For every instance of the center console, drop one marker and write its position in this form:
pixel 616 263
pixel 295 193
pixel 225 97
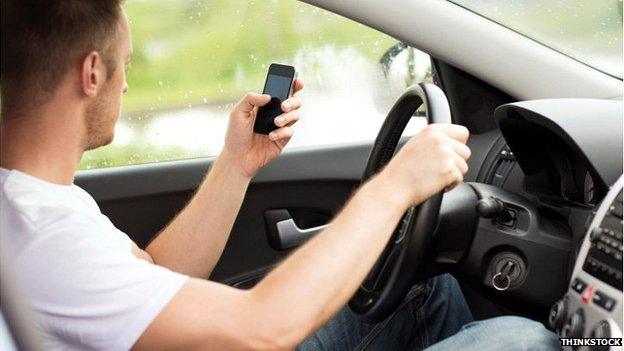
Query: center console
pixel 592 307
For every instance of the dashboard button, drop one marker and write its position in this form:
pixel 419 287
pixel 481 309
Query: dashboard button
pixel 578 285
pixel 588 294
pixel 604 301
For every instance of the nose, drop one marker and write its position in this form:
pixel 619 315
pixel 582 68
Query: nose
pixel 125 87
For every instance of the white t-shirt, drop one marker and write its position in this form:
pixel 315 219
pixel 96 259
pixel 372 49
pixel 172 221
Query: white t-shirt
pixel 79 274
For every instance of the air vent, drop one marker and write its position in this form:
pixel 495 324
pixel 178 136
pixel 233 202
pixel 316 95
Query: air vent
pixel 501 167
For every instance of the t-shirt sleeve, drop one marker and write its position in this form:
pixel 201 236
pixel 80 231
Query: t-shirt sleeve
pixel 89 291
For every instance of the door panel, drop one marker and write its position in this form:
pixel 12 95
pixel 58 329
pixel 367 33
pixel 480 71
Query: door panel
pixel 141 200
pixel 248 247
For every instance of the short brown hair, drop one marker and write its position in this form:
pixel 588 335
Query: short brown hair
pixel 42 39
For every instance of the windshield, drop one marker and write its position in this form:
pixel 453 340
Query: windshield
pixel 588 31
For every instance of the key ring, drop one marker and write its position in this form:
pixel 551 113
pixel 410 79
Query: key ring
pixel 500 288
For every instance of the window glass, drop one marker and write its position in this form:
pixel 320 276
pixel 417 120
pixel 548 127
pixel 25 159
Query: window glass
pixel 589 31
pixel 194 59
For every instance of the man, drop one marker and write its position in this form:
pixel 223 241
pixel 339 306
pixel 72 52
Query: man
pixel 93 288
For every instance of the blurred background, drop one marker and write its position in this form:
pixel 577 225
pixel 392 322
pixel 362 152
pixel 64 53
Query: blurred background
pixel 194 59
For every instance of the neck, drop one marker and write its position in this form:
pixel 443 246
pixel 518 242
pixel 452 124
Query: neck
pixel 46 144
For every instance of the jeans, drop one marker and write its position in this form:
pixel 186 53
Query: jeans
pixel 434 317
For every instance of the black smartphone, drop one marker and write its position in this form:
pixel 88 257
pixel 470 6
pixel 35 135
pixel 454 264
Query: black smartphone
pixel 279 84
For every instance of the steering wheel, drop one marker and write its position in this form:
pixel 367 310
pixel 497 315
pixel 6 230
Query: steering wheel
pixel 401 263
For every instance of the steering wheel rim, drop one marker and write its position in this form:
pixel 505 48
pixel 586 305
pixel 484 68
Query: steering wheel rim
pixel 393 274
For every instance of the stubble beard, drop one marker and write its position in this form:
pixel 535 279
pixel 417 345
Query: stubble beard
pixel 100 122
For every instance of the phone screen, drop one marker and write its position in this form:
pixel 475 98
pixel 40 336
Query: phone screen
pixel 278 84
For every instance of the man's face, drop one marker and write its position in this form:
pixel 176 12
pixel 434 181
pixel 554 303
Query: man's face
pixel 104 112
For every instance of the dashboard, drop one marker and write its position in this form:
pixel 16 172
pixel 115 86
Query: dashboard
pixel 570 150
pixel 570 154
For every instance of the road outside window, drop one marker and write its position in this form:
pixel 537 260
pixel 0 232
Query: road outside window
pixel 194 59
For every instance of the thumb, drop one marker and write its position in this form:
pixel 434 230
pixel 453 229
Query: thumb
pixel 250 101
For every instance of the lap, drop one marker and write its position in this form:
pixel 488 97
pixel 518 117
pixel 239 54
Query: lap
pixel 422 318
pixel 346 331
pixel 434 314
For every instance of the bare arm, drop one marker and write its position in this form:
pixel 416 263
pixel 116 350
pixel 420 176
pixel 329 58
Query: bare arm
pixel 193 242
pixel 312 284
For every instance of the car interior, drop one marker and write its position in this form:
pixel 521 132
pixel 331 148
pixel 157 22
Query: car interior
pixel 535 229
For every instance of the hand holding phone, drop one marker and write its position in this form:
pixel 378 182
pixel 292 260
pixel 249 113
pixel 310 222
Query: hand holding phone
pixel 279 84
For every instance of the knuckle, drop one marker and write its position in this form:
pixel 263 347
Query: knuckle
pixel 463 169
pixel 463 132
pixel 446 150
pixel 448 167
pixel 436 139
pixel 455 177
pixel 442 145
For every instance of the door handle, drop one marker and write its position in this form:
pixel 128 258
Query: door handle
pixel 290 235
pixel 283 232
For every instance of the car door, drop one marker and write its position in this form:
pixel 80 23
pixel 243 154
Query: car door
pixel 308 185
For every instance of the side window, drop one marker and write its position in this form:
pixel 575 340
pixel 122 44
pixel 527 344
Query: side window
pixel 193 60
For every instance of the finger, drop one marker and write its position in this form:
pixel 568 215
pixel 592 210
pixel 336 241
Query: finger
pixel 292 103
pixel 461 164
pixel 251 100
pixel 457 132
pixel 287 119
pixel 460 149
pixel 456 179
pixel 281 133
pixel 298 85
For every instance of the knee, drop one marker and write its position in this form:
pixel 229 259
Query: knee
pixel 446 298
pixel 534 335
pixel 446 285
pixel 519 333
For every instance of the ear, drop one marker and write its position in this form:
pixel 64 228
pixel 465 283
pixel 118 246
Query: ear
pixel 92 74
